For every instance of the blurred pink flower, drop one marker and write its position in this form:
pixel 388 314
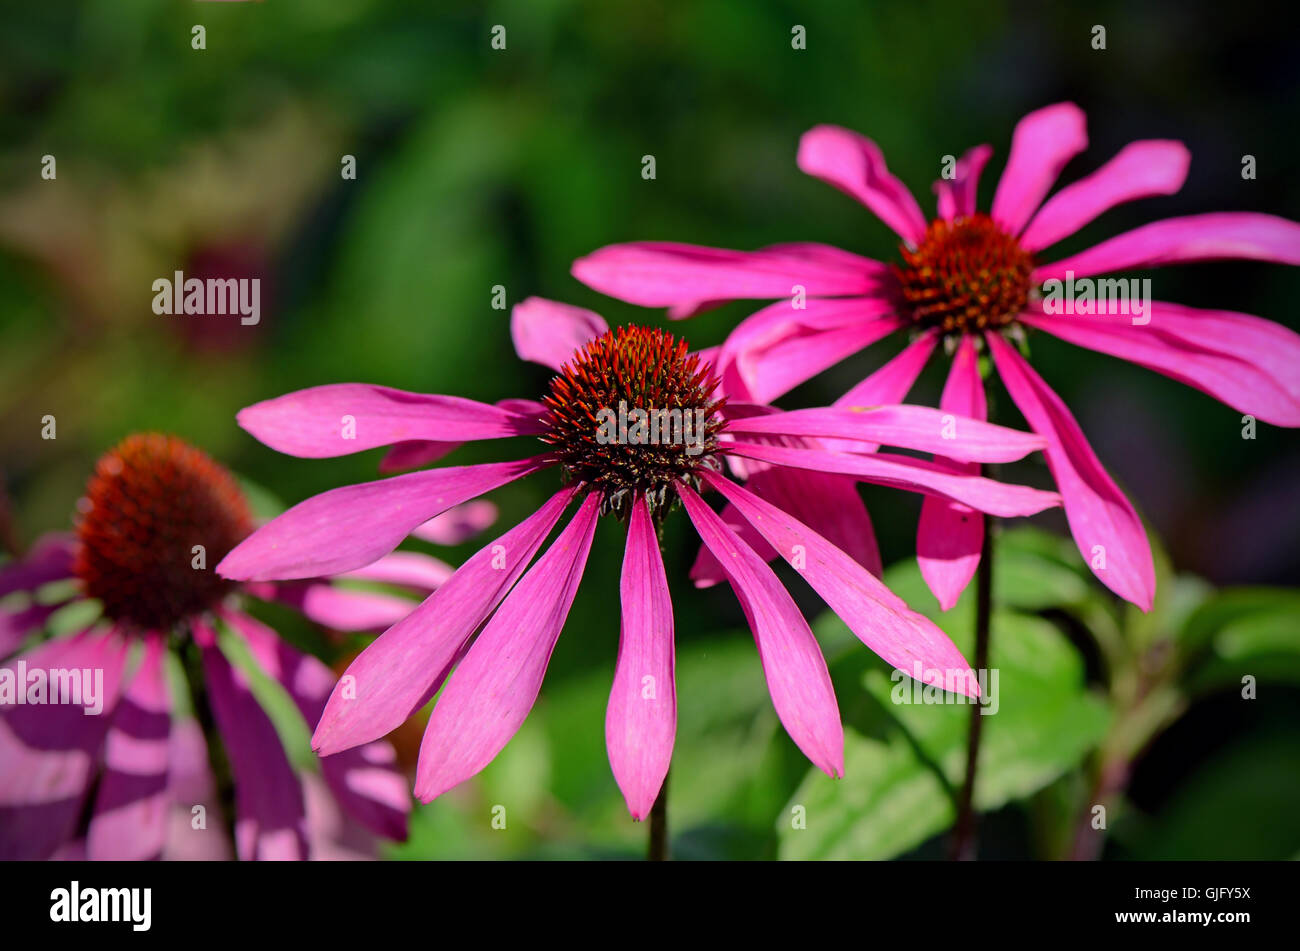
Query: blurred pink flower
pixel 971 278
pixel 119 782
pixel 518 611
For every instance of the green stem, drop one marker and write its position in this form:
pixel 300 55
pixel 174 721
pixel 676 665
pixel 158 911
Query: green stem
pixel 963 840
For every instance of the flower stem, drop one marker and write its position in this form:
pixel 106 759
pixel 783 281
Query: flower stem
pixel 657 850
pixel 963 840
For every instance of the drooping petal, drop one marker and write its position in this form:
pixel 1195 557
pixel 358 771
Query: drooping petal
pixel 132 806
pixel 1042 145
pixel 49 751
pixel 797 679
pixel 414 454
pixel 641 719
pixel 459 524
pixel 342 609
pixel 772 370
pixel 1108 532
pixel 914 475
pixel 50 559
pixel 1139 170
pixel 496 685
pixel 398 673
pixel 364 779
pixel 271 820
pixel 886 386
pixel 827 503
pixel 408 569
pixel 190 785
pixel 855 165
pixel 1229 356
pixel 950 537
pixel 879 618
pixel 922 428
pixel 548 332
pixel 957 197
pixel 343 418
pixel 1237 235
pixel 352 526
pixel 662 274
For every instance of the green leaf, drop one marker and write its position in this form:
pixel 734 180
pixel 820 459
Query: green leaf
pixel 901 769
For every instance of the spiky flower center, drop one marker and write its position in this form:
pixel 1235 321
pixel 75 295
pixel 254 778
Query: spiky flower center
pixel 157 516
pixel 631 413
pixel 967 275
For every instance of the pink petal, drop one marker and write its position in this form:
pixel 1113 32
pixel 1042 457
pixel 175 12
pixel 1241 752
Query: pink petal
pixel 888 385
pixel 855 165
pixel 914 475
pixel 949 537
pixel 50 559
pixel 922 428
pixel 132 805
pixel 190 784
pixel 458 525
pixel 1139 170
pixel 1101 519
pixel 364 780
pixel 957 197
pixel 270 816
pixel 548 332
pixel 796 673
pixel 497 683
pixel 880 619
pixel 641 719
pixel 1243 235
pixel 343 418
pixel 49 752
pixel 405 666
pixel 829 504
pixel 409 569
pixel 661 274
pixel 1181 345
pixel 1042 145
pixel 415 454
pixel 352 526
pixel 343 609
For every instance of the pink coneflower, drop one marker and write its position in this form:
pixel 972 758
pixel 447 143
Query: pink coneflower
pixel 971 280
pixel 115 768
pixel 496 620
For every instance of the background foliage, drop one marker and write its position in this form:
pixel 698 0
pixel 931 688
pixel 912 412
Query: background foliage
pixel 479 167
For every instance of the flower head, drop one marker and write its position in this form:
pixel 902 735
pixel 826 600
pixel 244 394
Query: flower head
pixel 497 619
pixel 105 733
pixel 973 280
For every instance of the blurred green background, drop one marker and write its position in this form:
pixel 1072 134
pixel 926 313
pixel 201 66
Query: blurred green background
pixel 479 167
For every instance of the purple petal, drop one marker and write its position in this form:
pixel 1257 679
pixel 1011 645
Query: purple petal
pixel 1042 145
pixel 796 673
pixel 1140 170
pixel 856 166
pixel 879 618
pixel 548 332
pixel 496 685
pixel 352 526
pixel 343 418
pixel 1105 527
pixel 458 525
pixel 641 719
pixel 405 666
pixel 957 197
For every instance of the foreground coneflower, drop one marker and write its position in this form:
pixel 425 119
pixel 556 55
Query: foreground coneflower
pixel 972 280
pixel 110 782
pixel 517 611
